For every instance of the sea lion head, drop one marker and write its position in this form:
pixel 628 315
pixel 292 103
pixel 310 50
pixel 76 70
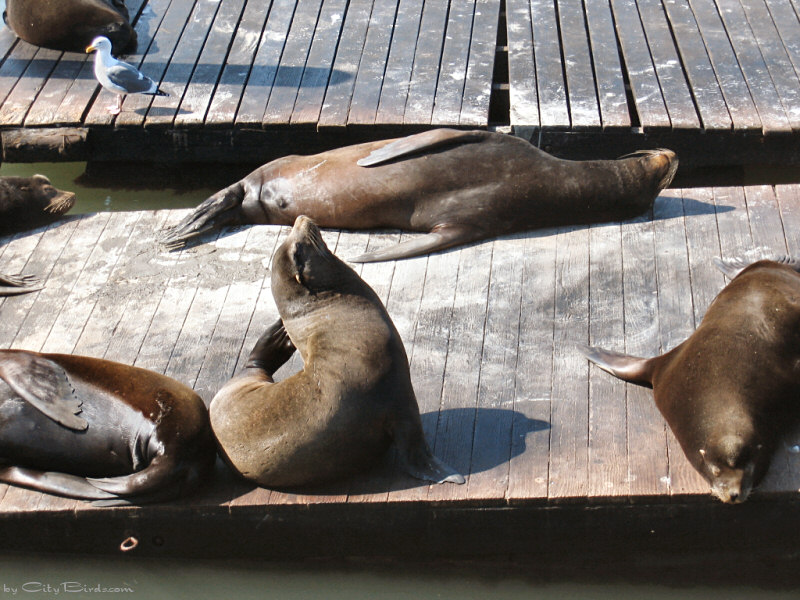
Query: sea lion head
pixel 658 165
pixel 729 464
pixel 58 201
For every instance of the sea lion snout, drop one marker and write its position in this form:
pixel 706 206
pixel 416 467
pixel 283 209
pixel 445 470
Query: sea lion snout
pixel 729 466
pixel 665 163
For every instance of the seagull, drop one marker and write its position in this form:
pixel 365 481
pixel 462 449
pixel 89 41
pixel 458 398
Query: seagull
pixel 117 76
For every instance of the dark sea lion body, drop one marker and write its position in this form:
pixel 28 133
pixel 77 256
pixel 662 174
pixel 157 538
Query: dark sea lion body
pixel 71 25
pixel 353 398
pixel 730 391
pixel 99 430
pixel 29 202
pixel 457 186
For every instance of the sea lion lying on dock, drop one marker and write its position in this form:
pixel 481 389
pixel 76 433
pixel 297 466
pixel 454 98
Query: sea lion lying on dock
pixel 353 398
pixel 730 391
pixel 98 430
pixel 456 186
pixel 71 25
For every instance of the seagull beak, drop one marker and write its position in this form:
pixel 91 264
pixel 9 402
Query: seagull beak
pixel 90 49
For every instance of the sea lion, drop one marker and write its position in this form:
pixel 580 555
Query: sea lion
pixel 99 430
pixel 29 202
pixel 351 401
pixel 730 391
pixel 457 186
pixel 71 25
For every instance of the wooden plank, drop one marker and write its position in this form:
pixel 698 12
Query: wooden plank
pixel 732 222
pixel 702 240
pixel 608 440
pixel 674 88
pixel 13 68
pixel 369 79
pixel 162 110
pixel 253 103
pixel 756 73
pixel 523 84
pixel 778 64
pixel 569 443
pixel 704 86
pixel 77 99
pixel 648 473
pixel 197 94
pixel 607 67
pixel 789 204
pixel 336 106
pixel 319 66
pixel 293 63
pixel 158 59
pixel 552 92
pixel 238 64
pixel 726 68
pixel 788 24
pixel 397 77
pixel 482 51
pixel 639 64
pixel 765 221
pixel 427 59
pixel 7 41
pixel 584 111
pixel 45 107
pixel 453 67
pixel 530 431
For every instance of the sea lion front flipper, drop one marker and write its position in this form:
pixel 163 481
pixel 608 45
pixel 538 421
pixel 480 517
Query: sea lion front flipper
pixel 415 457
pixel 61 484
pixel 272 350
pixel 215 211
pixel 628 368
pixel 441 238
pixel 731 267
pixel 44 385
pixel 418 143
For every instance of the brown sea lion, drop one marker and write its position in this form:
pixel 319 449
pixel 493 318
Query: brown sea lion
pixel 457 186
pixel 29 202
pixel 353 398
pixel 730 391
pixel 99 430
pixel 71 25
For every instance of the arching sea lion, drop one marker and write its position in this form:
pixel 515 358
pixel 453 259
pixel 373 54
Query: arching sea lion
pixel 457 186
pixel 71 25
pixel 99 430
pixel 351 401
pixel 730 391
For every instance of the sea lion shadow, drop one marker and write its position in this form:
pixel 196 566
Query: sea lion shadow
pixel 160 111
pixel 664 205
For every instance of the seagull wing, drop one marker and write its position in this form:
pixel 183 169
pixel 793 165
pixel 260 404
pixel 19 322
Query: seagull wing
pixel 129 79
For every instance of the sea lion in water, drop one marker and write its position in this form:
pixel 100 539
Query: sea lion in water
pixel 351 401
pixel 99 430
pixel 29 202
pixel 730 391
pixel 71 25
pixel 457 186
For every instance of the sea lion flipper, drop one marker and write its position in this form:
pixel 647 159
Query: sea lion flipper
pixel 415 457
pixel 50 482
pixel 731 267
pixel 272 349
pixel 418 143
pixel 629 368
pixel 43 384
pixel 442 237
pixel 216 211
pixel 14 285
pixel 154 476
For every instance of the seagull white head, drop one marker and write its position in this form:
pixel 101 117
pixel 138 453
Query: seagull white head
pixel 101 44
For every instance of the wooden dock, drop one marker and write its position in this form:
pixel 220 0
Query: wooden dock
pixel 715 80
pixel 557 454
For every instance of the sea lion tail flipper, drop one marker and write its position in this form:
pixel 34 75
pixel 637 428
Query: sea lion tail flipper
pixel 418 143
pixel 629 368
pixel 440 238
pixel 162 470
pixel 51 482
pixel 415 457
pixel 14 285
pixel 731 267
pixel 272 349
pixel 214 212
pixel 44 385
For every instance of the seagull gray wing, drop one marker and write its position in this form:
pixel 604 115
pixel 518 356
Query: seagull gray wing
pixel 131 80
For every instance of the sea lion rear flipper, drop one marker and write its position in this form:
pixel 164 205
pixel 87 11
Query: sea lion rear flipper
pixel 61 484
pixel 731 267
pixel 43 384
pixel 272 350
pixel 440 238
pixel 158 474
pixel 215 211
pixel 416 458
pixel 14 285
pixel 418 143
pixel 628 368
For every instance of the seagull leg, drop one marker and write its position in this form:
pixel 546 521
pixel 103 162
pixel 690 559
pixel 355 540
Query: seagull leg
pixel 115 110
